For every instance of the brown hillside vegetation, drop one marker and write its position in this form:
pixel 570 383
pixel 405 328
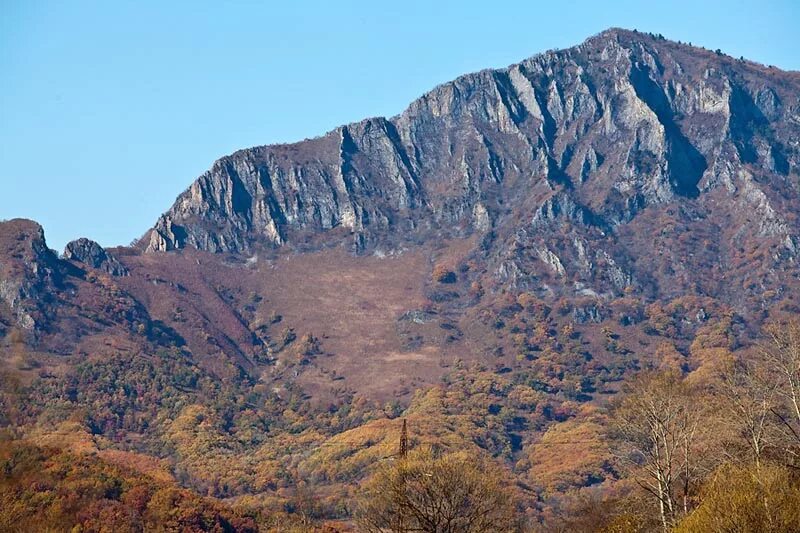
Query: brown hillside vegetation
pixel 45 489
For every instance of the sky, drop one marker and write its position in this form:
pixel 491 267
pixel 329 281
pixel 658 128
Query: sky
pixel 108 110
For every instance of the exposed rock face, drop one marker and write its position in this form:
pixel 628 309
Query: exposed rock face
pixel 56 304
pixel 90 253
pixel 29 272
pixel 628 160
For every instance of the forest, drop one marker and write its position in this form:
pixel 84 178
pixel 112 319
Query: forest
pixel 706 443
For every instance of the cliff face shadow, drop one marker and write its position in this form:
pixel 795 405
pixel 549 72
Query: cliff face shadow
pixel 686 163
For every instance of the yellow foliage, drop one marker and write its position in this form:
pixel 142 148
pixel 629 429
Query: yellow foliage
pixel 569 454
pixel 429 493
pixel 747 499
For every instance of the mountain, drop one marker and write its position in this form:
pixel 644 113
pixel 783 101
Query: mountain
pixel 492 264
pixel 578 168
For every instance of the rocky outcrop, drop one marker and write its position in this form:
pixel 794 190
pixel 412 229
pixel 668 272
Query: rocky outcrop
pixel 93 255
pixel 56 305
pixel 29 273
pixel 561 156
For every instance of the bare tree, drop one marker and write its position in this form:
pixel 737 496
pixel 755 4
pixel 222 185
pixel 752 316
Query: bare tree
pixel 654 431
pixel 782 356
pixel 447 494
pixel 747 399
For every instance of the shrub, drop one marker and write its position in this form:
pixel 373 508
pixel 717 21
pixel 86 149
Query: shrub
pixel 442 274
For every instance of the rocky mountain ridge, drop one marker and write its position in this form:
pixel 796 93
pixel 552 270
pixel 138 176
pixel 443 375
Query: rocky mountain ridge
pixel 561 162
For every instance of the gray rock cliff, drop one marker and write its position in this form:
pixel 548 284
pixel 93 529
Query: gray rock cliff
pixel 30 273
pixel 93 255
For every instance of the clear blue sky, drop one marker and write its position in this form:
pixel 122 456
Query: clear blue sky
pixel 110 109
